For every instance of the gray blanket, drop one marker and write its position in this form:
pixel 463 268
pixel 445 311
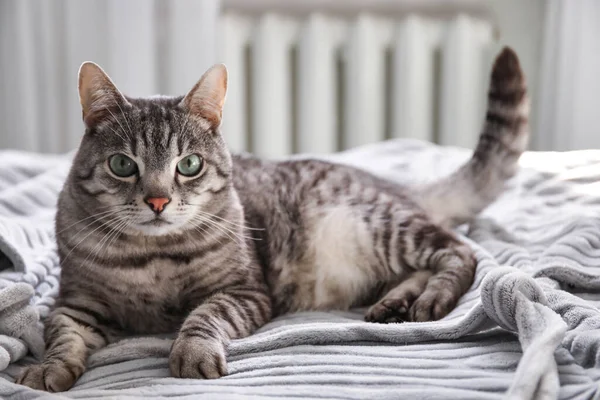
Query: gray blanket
pixel 529 328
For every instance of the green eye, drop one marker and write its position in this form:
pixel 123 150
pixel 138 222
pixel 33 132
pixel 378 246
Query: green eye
pixel 190 165
pixel 122 166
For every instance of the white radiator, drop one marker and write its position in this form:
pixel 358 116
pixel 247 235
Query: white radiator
pixel 299 81
pixel 318 83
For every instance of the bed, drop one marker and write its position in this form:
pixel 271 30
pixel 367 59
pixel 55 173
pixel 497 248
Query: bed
pixel 529 327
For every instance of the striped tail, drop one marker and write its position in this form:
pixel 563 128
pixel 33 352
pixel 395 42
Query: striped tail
pixel 459 197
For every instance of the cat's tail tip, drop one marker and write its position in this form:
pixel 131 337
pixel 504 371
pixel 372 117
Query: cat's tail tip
pixel 507 113
pixel 508 87
pixel 507 67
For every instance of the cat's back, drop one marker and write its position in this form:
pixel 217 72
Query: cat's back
pixel 306 176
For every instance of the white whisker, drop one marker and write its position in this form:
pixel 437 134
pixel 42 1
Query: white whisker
pixel 225 229
pixel 117 230
pixel 105 238
pixel 184 126
pixel 118 122
pixel 212 224
pixel 98 219
pixel 228 228
pixel 86 218
pixel 115 205
pixel 126 121
pixel 117 133
pixel 103 224
pixel 202 230
pixel 226 220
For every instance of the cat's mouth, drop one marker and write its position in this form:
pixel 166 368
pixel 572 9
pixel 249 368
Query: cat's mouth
pixel 158 221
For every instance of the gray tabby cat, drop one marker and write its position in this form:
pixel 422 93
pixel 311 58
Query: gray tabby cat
pixel 160 229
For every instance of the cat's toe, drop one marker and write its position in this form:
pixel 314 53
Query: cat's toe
pixel 432 306
pixel 197 358
pixel 387 311
pixel 52 377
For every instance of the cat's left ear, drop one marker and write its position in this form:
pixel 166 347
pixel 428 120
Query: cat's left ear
pixel 207 97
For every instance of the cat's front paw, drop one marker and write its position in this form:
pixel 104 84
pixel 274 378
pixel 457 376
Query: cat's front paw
pixel 52 377
pixel 196 358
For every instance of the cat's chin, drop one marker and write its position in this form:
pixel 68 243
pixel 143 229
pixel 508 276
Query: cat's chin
pixel 157 228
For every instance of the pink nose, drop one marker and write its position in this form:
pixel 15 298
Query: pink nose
pixel 157 204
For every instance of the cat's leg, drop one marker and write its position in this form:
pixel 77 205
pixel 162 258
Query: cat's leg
pixel 394 306
pixel 71 335
pixel 453 265
pixel 442 268
pixel 199 350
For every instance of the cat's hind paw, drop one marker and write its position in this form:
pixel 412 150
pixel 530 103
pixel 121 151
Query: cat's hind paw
pixel 388 310
pixel 432 305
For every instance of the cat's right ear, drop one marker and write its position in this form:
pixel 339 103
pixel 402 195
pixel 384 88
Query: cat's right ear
pixel 98 95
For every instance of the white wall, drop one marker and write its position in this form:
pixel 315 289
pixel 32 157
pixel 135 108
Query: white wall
pixel 569 101
pixel 521 26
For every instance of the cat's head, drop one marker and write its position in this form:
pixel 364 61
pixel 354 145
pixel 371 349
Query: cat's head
pixel 151 166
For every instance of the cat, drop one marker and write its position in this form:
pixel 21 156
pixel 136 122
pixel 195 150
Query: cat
pixel 159 228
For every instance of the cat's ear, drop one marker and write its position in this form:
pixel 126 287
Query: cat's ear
pixel 98 95
pixel 207 97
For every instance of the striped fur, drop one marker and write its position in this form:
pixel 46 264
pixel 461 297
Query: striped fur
pixel 248 239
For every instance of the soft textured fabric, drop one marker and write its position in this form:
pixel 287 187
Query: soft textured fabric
pixel 529 328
